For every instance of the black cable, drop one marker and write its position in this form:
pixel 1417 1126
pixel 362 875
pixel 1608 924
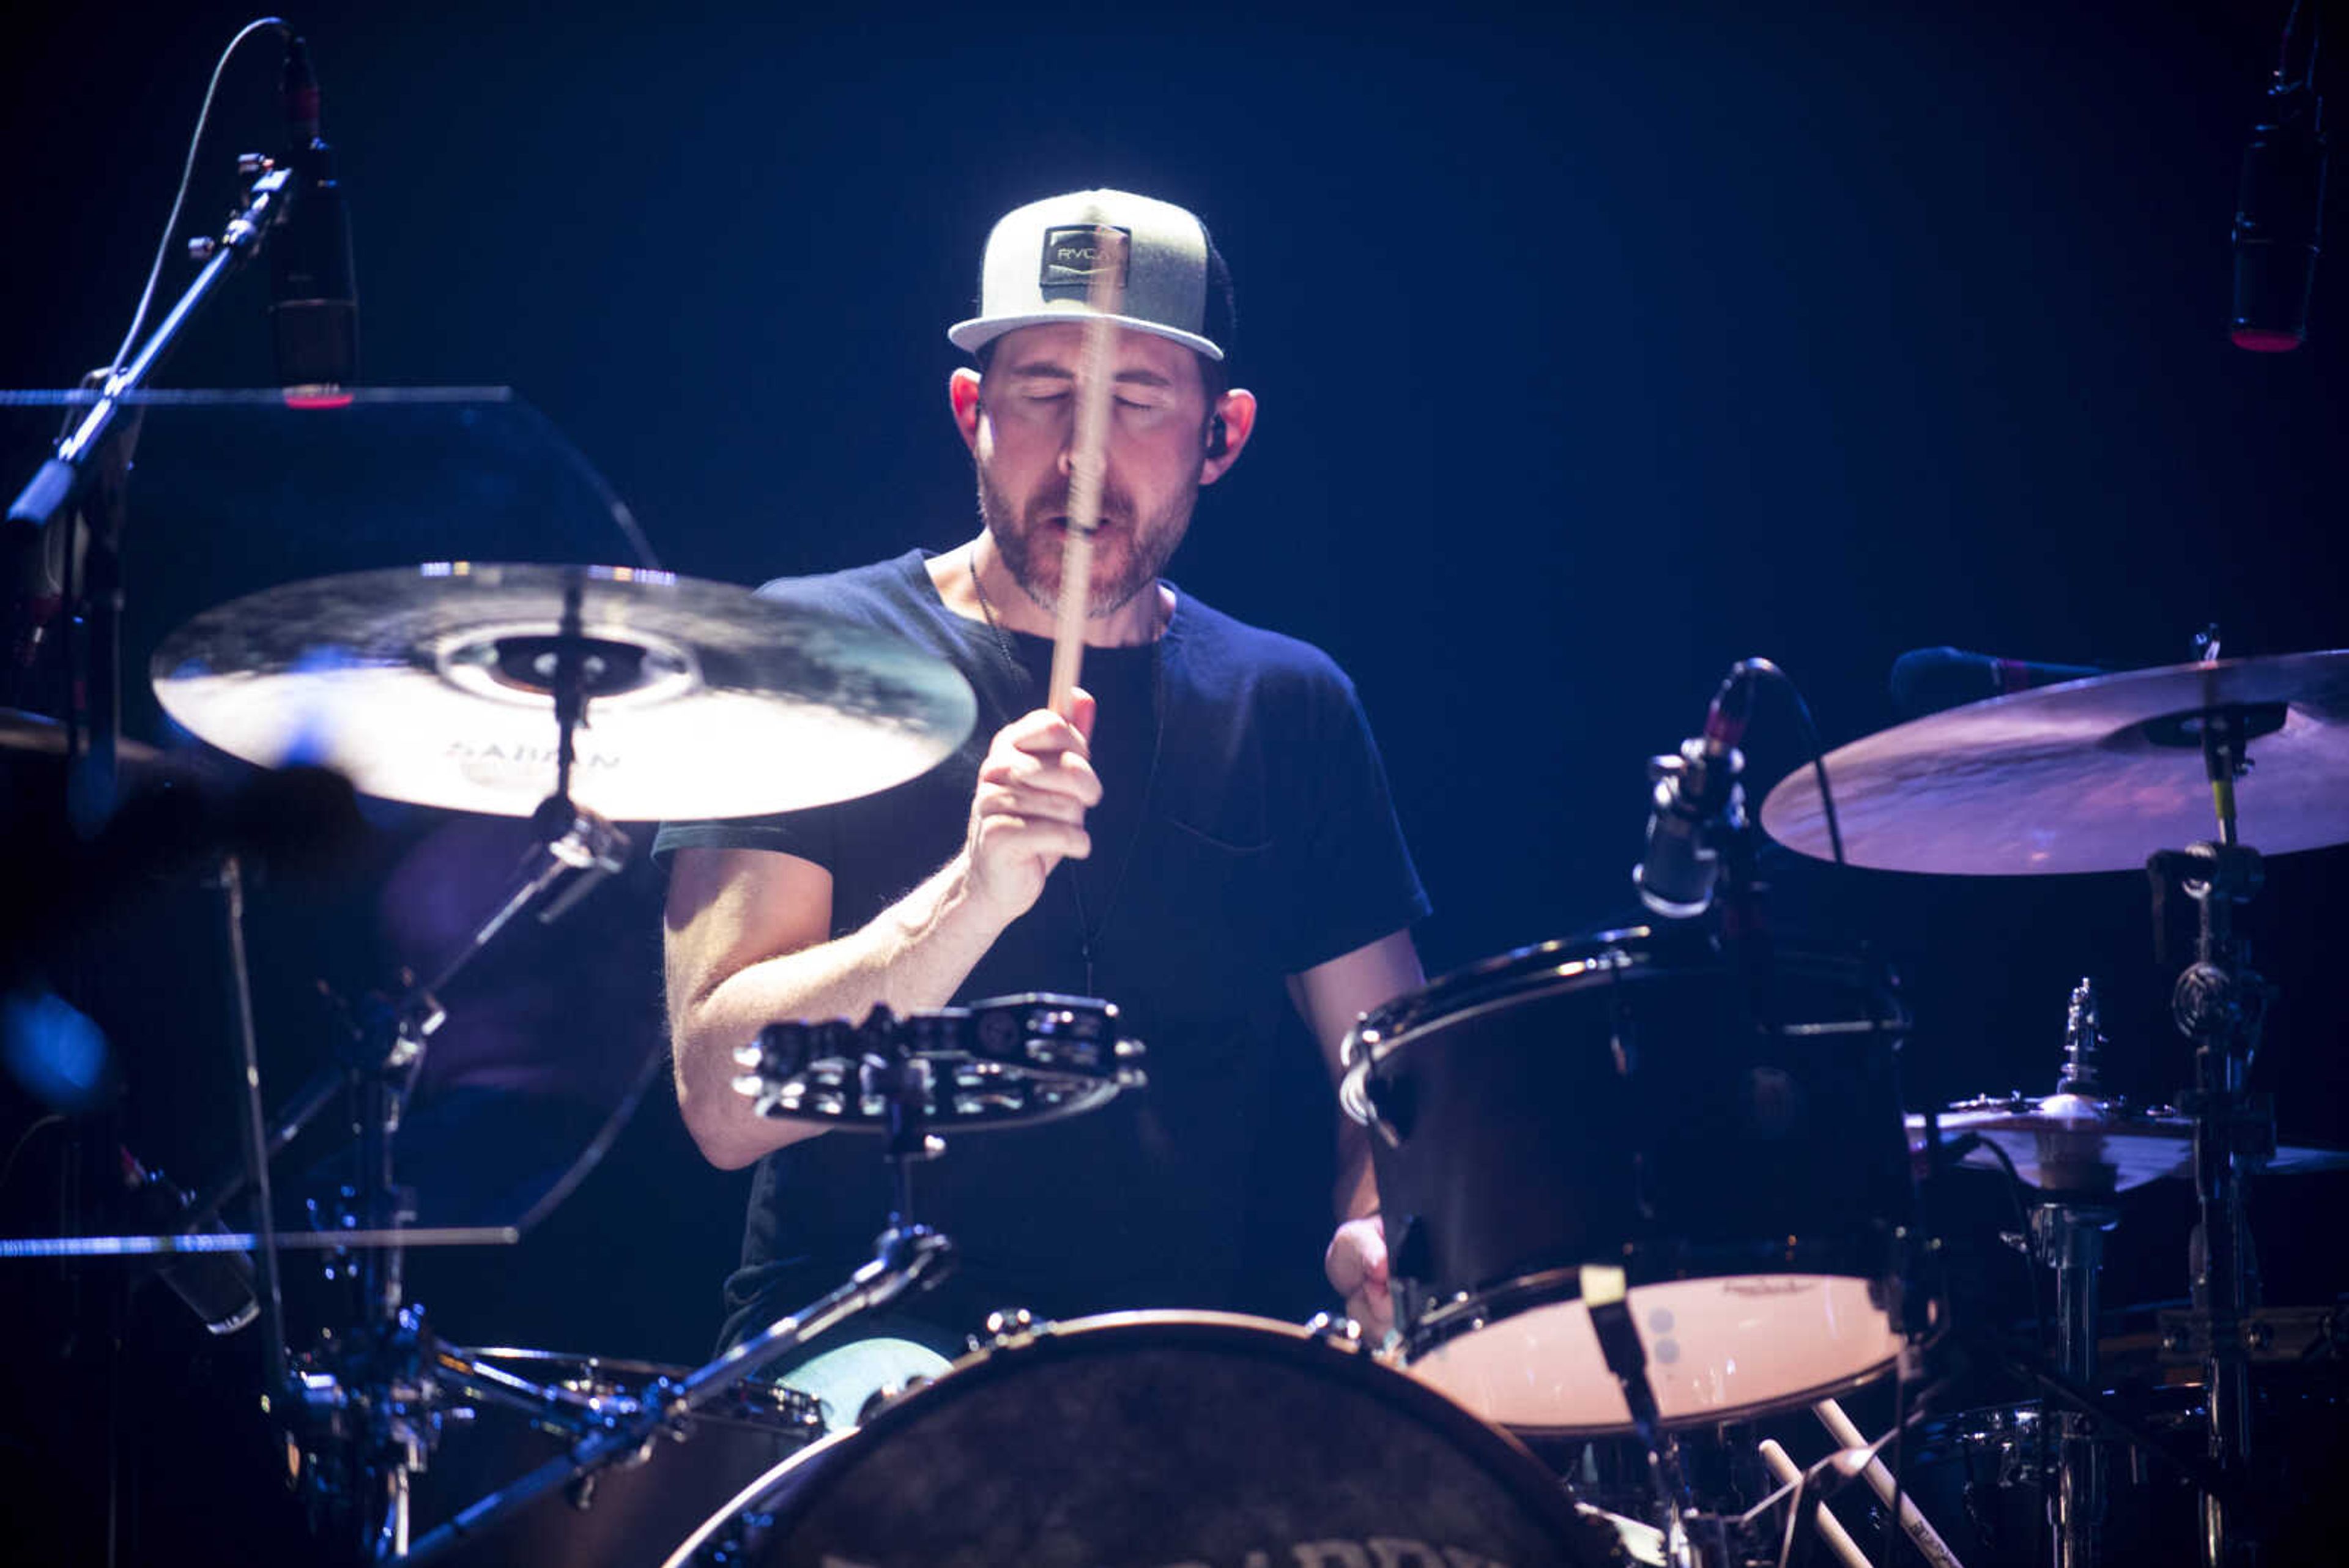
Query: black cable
pixel 598 1146
pixel 8 1168
pixel 187 178
pixel 1763 666
pixel 2014 1188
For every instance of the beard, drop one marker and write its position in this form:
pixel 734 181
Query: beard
pixel 1128 550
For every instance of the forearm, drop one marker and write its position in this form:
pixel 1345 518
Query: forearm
pixel 1357 1192
pixel 911 956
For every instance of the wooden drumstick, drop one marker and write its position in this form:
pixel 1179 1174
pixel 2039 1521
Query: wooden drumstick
pixel 1088 459
pixel 1830 1528
pixel 1843 1431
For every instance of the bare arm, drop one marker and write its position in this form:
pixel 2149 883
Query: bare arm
pixel 1331 996
pixel 748 942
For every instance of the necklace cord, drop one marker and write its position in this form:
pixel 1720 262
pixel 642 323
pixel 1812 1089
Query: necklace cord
pixel 1088 928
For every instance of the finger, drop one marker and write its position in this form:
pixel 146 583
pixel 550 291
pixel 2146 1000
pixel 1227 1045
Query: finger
pixel 1357 1256
pixel 1081 712
pixel 1063 773
pixel 1014 800
pixel 1008 834
pixel 1043 733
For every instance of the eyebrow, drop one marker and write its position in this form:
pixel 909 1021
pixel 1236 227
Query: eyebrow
pixel 1045 369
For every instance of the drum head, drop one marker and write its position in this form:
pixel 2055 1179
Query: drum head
pixel 1717 1349
pixel 1146 1439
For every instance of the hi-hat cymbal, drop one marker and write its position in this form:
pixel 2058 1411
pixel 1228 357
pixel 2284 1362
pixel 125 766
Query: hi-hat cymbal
pixel 2075 1143
pixel 432 684
pixel 37 740
pixel 2091 775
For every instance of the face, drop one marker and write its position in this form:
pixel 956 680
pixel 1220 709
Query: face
pixel 1026 428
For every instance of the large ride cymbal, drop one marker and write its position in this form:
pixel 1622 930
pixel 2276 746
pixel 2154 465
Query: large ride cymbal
pixel 433 684
pixel 2091 775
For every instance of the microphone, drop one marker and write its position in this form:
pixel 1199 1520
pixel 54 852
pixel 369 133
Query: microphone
pixel 218 1287
pixel 2279 208
pixel 313 310
pixel 1928 679
pixel 1696 791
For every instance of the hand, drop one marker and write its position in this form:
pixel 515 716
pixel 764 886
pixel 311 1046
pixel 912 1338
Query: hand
pixel 1028 814
pixel 1356 1266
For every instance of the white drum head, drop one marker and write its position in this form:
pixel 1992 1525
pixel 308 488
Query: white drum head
pixel 1718 1350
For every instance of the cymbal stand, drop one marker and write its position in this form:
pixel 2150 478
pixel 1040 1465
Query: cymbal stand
pixel 906 1255
pixel 2067 1234
pixel 624 1431
pixel 2219 1002
pixel 369 1408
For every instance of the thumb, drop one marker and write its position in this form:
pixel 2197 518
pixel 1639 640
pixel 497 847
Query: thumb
pixel 1081 712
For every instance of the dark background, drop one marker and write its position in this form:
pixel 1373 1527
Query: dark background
pixel 1596 349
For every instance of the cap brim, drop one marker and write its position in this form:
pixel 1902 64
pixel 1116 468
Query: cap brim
pixel 976 333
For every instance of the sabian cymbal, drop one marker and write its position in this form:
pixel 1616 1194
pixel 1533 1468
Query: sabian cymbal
pixel 2091 775
pixel 432 684
pixel 2074 1143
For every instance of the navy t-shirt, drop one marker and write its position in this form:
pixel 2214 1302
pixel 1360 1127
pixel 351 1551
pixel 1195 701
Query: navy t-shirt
pixel 1244 834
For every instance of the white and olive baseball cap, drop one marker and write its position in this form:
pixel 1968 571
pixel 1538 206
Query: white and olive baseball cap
pixel 1039 262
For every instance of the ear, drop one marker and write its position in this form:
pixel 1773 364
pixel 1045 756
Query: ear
pixel 962 392
pixel 1236 409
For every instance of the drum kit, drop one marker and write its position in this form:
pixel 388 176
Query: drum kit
pixel 1644 1191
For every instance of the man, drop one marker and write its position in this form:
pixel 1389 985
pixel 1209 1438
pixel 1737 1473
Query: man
pixel 1204 839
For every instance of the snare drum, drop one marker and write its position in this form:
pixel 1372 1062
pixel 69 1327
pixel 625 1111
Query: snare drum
pixel 1148 1439
pixel 1726 1127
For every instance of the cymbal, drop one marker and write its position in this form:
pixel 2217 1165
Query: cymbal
pixel 432 684
pixel 2074 1143
pixel 2090 775
pixel 36 736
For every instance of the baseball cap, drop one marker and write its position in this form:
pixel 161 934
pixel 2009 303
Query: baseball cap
pixel 1039 269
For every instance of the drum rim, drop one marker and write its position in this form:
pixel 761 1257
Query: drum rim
pixel 1566 964
pixel 1497 1449
pixel 1471 1312
pixel 615 1376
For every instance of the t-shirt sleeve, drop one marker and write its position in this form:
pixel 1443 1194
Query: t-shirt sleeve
pixel 1347 871
pixel 813 834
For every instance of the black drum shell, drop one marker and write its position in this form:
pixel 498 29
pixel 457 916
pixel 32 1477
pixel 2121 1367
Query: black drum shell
pixel 1144 1440
pixel 1639 1097
pixel 1984 1475
pixel 637 1512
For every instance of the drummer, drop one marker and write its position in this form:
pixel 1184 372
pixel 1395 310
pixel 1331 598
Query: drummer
pixel 1205 840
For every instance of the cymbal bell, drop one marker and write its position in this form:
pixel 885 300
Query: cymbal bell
pixel 2090 775
pixel 433 684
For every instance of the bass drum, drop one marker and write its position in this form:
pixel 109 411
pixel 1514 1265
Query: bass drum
pixel 1143 1439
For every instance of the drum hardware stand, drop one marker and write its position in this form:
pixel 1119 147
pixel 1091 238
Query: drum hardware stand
pixel 92 459
pixel 908 1255
pixel 2067 1234
pixel 2219 1003
pixel 624 1432
pixel 1606 1294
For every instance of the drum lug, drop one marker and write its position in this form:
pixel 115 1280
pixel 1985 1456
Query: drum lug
pixel 1334 1329
pixel 1006 1324
pixel 888 1394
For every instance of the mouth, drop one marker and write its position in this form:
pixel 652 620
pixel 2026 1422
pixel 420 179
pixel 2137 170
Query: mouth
pixel 1059 523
